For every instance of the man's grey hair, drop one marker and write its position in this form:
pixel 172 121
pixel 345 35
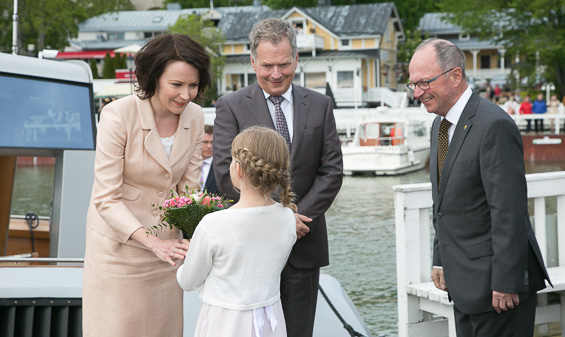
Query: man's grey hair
pixel 272 30
pixel 448 55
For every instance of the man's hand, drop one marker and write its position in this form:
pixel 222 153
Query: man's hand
pixel 504 301
pixel 301 228
pixel 437 277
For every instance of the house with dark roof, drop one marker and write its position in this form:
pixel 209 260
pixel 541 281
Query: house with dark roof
pixel 352 49
pixel 484 58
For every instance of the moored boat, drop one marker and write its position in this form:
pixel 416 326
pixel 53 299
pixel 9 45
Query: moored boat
pixel 388 144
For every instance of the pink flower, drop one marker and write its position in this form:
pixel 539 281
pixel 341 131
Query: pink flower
pixel 206 201
pixel 220 206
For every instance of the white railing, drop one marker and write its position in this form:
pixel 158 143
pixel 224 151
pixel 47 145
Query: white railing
pixel 418 313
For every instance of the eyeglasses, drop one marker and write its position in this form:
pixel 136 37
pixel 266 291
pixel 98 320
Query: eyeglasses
pixel 425 85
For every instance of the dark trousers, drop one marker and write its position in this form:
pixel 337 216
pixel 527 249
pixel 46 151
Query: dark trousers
pixel 517 322
pixel 529 126
pixel 540 122
pixel 299 293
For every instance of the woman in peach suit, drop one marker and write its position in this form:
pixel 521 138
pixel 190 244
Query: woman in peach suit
pixel 147 145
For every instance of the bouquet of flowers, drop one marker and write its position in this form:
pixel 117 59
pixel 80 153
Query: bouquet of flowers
pixel 185 211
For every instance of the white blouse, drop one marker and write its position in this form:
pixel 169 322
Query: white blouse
pixel 168 143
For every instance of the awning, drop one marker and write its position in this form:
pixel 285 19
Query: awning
pixel 85 54
pixel 116 90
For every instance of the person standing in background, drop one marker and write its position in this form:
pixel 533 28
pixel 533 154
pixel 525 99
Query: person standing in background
pixel 526 109
pixel 305 119
pixel 539 107
pixel 207 178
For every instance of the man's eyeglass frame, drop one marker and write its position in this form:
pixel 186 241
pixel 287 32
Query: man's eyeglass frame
pixel 425 85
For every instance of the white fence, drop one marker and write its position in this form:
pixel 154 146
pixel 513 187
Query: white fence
pixel 426 311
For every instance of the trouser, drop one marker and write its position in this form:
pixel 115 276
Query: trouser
pixel 299 294
pixel 517 322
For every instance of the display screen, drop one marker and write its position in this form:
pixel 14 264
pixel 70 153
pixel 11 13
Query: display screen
pixel 39 113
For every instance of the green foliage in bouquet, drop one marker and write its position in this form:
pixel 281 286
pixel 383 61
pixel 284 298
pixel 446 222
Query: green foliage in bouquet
pixel 185 211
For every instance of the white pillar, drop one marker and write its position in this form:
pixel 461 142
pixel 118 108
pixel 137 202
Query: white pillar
pixel 502 51
pixel 475 52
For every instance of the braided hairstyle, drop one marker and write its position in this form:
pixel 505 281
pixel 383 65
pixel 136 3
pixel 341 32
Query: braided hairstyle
pixel 263 156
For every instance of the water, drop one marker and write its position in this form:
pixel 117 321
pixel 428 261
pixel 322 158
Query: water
pixel 360 228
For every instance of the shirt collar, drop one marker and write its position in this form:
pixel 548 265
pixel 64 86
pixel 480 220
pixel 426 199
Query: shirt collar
pixel 208 160
pixel 287 95
pixel 456 110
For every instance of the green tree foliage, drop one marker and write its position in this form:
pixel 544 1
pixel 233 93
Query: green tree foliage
pixel 94 69
pixel 211 38
pixel 524 27
pixel 120 61
pixel 108 71
pixel 49 23
pixel 406 50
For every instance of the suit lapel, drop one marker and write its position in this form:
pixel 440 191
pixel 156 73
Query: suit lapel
pixel 182 137
pixel 301 111
pixel 257 106
pixel 433 157
pixel 152 140
pixel 463 128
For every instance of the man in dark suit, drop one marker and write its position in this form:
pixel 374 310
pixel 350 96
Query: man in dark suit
pixel 485 253
pixel 207 178
pixel 305 119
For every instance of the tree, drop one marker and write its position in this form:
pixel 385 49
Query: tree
pixel 109 70
pixel 94 69
pixel 49 23
pixel 531 29
pixel 406 50
pixel 211 38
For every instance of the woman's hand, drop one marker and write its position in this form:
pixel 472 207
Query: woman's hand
pixel 166 250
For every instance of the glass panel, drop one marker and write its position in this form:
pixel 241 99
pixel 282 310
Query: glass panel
pixel 345 79
pixel 42 114
pixel 315 80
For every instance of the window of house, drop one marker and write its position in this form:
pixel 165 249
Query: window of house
pixel 315 80
pixel 485 61
pixel 116 36
pixel 346 43
pixel 464 37
pixel 345 79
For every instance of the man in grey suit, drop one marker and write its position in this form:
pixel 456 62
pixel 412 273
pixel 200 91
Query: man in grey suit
pixel 485 253
pixel 305 119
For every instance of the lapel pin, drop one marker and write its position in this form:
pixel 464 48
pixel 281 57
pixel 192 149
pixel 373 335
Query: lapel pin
pixel 465 127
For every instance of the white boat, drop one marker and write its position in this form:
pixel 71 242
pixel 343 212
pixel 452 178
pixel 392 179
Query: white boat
pixel 389 143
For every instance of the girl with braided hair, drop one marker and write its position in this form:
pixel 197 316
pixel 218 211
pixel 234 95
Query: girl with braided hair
pixel 236 256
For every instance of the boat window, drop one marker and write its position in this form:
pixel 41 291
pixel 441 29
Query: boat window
pixel 419 130
pixel 45 114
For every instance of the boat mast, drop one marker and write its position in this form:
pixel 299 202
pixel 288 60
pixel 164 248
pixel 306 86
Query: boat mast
pixel 15 29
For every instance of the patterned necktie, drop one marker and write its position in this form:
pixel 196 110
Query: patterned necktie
pixel 443 144
pixel 202 176
pixel 280 120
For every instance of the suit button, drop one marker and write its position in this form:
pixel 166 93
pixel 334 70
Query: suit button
pixel 155 213
pixel 168 177
pixel 161 194
pixel 439 215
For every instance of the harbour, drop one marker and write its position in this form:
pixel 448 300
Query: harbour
pixel 361 234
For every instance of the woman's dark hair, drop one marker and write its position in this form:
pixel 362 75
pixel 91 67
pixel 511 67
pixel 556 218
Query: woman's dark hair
pixel 159 52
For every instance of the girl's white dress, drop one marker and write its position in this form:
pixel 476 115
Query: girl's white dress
pixel 236 257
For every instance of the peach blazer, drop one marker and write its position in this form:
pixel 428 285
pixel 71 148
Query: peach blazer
pixel 132 171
